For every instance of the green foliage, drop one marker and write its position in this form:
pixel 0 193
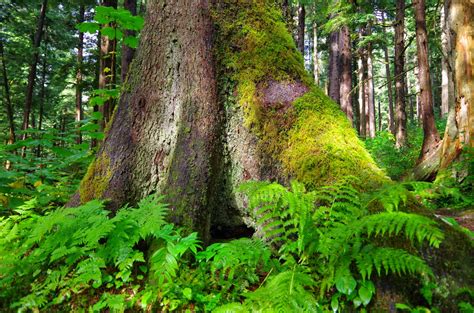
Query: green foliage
pixel 333 235
pixel 50 171
pixel 59 256
pixel 113 23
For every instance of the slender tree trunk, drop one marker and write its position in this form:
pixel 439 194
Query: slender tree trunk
pixel 334 67
pixel 346 73
pixel 108 49
pixel 401 118
pixel 32 72
pixel 391 117
pixel 431 136
pixel 362 108
pixel 42 100
pixel 315 55
pixel 370 93
pixel 94 141
pixel 7 100
pixel 380 116
pixel 80 52
pixel 447 78
pixel 127 52
pixel 301 26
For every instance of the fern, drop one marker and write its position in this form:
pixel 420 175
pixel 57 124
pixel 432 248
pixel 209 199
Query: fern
pixel 334 233
pixel 73 249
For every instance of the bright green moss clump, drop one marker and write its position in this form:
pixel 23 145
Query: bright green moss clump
pixel 323 147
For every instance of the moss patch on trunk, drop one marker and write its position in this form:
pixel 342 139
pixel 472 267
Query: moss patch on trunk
pixel 308 137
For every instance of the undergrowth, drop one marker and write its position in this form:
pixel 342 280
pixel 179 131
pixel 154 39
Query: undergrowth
pixel 315 252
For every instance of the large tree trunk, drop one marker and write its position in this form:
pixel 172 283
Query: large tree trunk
pixel 32 72
pixel 80 52
pixel 127 52
pixel 195 136
pixel 346 73
pixel 431 137
pixel 401 116
pixel 107 77
pixel 7 100
pixel 460 127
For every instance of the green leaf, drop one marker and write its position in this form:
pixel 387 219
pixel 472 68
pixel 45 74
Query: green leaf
pixel 188 293
pixel 365 295
pixel 345 283
pixel 334 303
pixel 88 27
pixel 131 41
pixel 109 32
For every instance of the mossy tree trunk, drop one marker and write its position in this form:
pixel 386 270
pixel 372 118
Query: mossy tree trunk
pixel 400 107
pixel 218 95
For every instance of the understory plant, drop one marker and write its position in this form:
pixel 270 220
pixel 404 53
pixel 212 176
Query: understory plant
pixel 313 251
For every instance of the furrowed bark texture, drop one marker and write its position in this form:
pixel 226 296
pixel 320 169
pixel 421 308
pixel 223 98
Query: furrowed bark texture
pixel 210 105
pixel 163 135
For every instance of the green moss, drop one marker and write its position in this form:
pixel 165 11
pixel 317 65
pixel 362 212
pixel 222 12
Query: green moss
pixel 313 139
pixel 323 147
pixel 261 50
pixel 96 180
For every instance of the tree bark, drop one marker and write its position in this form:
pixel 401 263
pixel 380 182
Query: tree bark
pixel 362 106
pixel 301 26
pixel 401 117
pixel 42 99
pixel 7 100
pixel 107 77
pixel 431 137
pixel 460 127
pixel 447 78
pixel 315 55
pixel 194 132
pixel 127 52
pixel 370 91
pixel 391 117
pixel 32 72
pixel 346 73
pixel 80 52
pixel 334 67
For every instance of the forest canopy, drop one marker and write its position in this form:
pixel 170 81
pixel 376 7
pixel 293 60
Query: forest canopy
pixel 237 156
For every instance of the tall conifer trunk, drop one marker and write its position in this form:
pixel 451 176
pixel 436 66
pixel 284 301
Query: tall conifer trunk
pixel 401 117
pixel 32 72
pixel 431 136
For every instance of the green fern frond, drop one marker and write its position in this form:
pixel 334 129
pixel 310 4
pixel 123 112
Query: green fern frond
pixel 413 226
pixel 389 260
pixel 289 291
